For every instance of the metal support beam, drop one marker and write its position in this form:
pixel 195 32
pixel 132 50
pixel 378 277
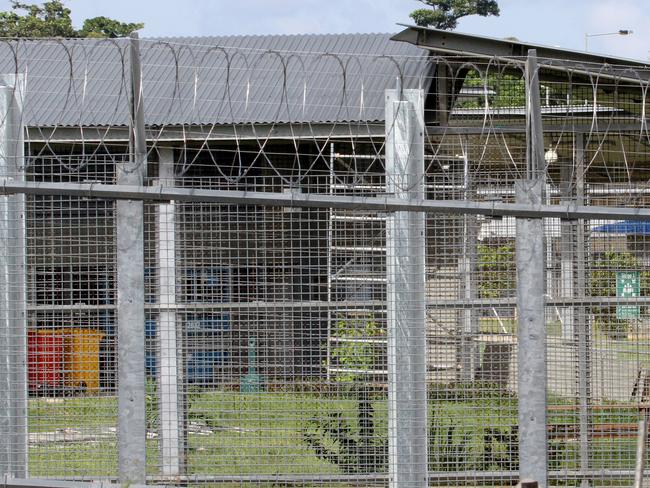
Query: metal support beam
pixel 170 397
pixel 52 483
pixel 405 291
pixel 443 82
pixel 534 130
pixel 130 299
pixel 138 134
pixel 642 435
pixel 582 327
pixel 567 254
pixel 511 52
pixel 13 323
pixel 469 350
pixel 436 478
pixel 530 257
pixel 322 132
pixel 324 200
pixel 531 372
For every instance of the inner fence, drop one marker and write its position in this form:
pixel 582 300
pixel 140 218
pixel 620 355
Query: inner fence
pixel 322 277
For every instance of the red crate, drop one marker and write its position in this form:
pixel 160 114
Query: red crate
pixel 45 353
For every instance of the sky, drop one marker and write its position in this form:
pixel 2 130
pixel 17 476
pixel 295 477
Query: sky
pixel 560 23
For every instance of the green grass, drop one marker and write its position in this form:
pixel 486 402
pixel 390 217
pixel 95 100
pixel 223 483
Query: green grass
pixel 246 434
pixel 629 350
pixel 258 433
pixel 47 414
pixel 492 325
pixel 73 459
pixel 87 458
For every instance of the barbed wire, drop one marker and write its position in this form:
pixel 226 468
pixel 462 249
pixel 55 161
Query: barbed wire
pixel 201 98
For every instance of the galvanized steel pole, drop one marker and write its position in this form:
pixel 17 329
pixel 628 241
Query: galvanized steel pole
pixel 130 296
pixel 531 338
pixel 642 435
pixel 468 320
pixel 13 320
pixel 169 394
pixel 534 132
pixel 530 254
pixel 405 292
pixel 582 325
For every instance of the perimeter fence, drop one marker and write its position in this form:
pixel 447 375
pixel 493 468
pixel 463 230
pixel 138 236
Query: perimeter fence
pixel 232 265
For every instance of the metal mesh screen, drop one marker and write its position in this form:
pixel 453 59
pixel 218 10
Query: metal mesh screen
pixel 329 294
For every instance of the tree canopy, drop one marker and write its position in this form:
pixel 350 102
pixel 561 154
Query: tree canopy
pixel 444 14
pixel 52 19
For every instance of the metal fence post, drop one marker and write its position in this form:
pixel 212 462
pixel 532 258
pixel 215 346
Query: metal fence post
pixel 582 328
pixel 406 314
pixel 531 380
pixel 468 262
pixel 171 440
pixel 130 297
pixel 567 256
pixel 13 320
pixel 531 337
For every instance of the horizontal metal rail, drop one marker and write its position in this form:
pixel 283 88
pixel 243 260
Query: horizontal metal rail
pixel 569 211
pixel 435 477
pixel 597 301
pixel 345 305
pixel 55 483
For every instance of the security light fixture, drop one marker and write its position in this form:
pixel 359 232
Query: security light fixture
pixel 550 156
pixel 620 32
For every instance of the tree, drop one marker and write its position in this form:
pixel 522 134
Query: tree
pixel 52 19
pixel 444 14
pixel 105 27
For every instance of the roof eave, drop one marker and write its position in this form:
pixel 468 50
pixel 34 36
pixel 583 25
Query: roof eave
pixel 489 47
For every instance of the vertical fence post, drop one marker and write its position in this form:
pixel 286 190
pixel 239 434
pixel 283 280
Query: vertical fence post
pixel 130 296
pixel 405 292
pixel 531 373
pixel 171 441
pixel 567 256
pixel 582 329
pixel 13 319
pixel 468 350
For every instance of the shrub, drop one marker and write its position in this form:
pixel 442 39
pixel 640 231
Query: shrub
pixel 496 269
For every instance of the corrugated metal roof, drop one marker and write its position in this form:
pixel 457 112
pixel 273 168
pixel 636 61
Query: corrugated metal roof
pixel 213 80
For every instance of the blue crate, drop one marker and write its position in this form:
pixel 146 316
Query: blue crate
pixel 150 363
pixel 150 327
pixel 202 364
pixel 207 322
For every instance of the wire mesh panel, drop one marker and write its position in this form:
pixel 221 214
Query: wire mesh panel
pixel 278 385
pixel 330 295
pixel 71 337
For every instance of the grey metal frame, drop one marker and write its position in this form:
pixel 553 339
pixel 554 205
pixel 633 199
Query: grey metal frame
pixel 130 299
pixel 169 394
pixel 129 191
pixel 13 323
pixel 405 293
pixel 531 267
